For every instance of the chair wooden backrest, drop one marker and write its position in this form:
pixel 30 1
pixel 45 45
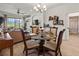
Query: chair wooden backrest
pixel 35 30
pixel 17 36
pixel 54 31
pixel 24 39
pixel 59 39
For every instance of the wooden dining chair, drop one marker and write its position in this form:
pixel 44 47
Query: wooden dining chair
pixel 29 44
pixel 35 30
pixel 53 33
pixel 53 46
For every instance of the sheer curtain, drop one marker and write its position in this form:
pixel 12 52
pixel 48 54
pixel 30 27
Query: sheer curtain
pixel 74 24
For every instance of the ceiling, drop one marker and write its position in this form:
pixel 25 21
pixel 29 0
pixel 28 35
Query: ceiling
pixel 11 8
pixel 24 7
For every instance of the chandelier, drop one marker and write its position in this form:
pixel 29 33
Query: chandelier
pixel 40 8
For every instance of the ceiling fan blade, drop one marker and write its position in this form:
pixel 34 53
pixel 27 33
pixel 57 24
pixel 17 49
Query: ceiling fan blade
pixel 27 16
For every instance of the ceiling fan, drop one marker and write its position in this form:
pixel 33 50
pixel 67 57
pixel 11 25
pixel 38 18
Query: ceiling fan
pixel 25 15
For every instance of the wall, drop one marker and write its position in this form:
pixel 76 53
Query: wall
pixel 8 14
pixel 34 16
pixel 62 11
pixel 38 16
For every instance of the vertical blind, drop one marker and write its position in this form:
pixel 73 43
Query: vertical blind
pixel 12 22
pixel 74 24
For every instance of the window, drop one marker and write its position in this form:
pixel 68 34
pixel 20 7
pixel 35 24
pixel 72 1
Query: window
pixel 12 22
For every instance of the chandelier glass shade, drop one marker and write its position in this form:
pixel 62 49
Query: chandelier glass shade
pixel 40 8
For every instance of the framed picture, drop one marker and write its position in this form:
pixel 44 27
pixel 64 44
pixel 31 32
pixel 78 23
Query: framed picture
pixel 60 22
pixel 55 22
pixel 50 18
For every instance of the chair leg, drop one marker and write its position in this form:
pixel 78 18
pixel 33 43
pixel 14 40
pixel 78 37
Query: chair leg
pixel 56 53
pixel 60 52
pixel 23 50
pixel 26 53
pixel 38 51
pixel 0 52
pixel 43 51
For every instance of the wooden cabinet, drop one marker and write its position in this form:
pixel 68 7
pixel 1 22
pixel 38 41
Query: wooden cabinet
pixel 7 43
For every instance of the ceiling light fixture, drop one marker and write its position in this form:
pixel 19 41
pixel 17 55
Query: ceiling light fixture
pixel 40 8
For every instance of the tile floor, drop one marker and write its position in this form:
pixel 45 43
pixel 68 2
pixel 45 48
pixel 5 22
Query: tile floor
pixel 68 48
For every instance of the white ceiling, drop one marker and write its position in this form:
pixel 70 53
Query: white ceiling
pixel 24 7
pixel 11 8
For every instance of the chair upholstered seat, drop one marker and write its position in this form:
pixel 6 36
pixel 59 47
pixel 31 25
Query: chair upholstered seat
pixel 52 38
pixel 31 44
pixel 53 35
pixel 50 45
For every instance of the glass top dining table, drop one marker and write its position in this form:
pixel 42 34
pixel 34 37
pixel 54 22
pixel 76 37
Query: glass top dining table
pixel 39 38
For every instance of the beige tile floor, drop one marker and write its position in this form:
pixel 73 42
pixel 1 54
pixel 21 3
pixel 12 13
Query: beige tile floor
pixel 69 48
